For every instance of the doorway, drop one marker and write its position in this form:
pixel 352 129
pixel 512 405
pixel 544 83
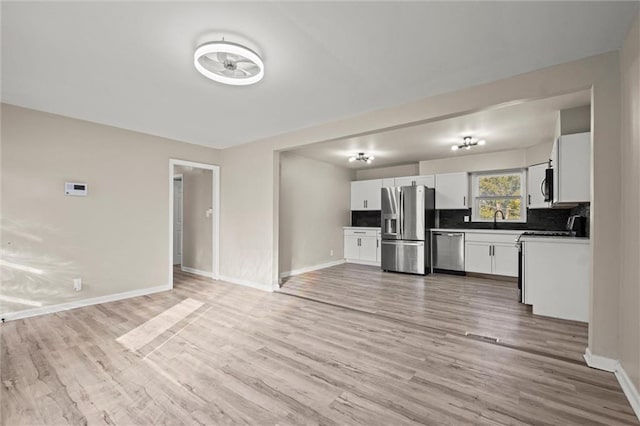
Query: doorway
pixel 194 209
pixel 177 220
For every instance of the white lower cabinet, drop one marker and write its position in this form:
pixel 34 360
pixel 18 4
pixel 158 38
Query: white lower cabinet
pixel 362 246
pixel 505 260
pixel 477 257
pixel 556 276
pixel 494 254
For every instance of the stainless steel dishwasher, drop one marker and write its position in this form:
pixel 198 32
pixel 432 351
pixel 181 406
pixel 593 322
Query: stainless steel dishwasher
pixel 448 252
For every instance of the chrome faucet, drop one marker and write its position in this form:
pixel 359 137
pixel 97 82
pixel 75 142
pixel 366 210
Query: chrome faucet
pixel 495 222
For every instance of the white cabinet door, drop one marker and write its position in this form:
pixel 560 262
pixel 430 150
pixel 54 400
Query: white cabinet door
pixel 405 180
pixel 427 180
pixel 351 247
pixel 374 199
pixel 388 182
pixel 368 249
pixel 452 191
pixel 365 194
pixel 574 168
pixel 505 260
pixel 555 167
pixel 535 189
pixel 477 258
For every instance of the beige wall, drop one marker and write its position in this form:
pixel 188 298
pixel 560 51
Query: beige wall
pixel 197 199
pixel 116 239
pixel 630 209
pixel 412 169
pixel 314 206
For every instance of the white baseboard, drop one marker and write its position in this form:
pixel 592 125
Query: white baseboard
pixel 310 268
pixel 600 362
pixel 629 390
pixel 614 366
pixel 84 302
pixel 196 271
pixel 362 262
pixel 246 283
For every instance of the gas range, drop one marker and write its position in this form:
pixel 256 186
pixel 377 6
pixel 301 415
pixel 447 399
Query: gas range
pixel 548 233
pixel 543 234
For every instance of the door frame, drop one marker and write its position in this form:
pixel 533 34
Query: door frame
pixel 180 178
pixel 215 217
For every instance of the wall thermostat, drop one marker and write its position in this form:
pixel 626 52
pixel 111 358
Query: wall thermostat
pixel 74 188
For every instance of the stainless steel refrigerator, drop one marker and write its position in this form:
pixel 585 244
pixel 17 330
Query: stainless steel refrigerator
pixel 408 214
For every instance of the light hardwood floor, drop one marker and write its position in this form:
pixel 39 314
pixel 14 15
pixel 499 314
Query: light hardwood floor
pixel 345 345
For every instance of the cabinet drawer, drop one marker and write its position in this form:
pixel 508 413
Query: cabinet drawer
pixel 363 233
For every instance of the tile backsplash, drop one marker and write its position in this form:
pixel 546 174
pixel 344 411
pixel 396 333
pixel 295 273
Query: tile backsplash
pixel 539 219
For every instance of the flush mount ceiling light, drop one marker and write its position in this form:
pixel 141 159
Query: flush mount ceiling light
pixel 228 63
pixel 467 143
pixel 361 157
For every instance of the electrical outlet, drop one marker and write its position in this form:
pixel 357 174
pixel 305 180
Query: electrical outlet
pixel 331 253
pixel 77 284
pixel 466 218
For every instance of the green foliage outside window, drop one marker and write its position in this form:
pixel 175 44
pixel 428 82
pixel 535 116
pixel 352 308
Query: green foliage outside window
pixel 499 192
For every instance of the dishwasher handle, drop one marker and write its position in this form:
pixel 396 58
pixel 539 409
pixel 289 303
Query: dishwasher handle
pixel 450 234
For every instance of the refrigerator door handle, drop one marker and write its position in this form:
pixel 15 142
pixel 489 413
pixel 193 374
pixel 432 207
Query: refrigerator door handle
pixel 400 215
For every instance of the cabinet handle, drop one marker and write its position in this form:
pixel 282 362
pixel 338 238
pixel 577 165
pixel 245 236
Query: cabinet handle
pixel 489 251
pixel 358 242
pixel 464 200
pixel 377 242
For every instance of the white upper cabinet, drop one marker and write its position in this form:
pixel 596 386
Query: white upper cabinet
pixel 452 191
pixel 388 182
pixel 571 163
pixel 535 187
pixel 426 180
pixel 365 194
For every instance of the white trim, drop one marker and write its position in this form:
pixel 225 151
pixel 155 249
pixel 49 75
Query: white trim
pixel 614 366
pixel 246 283
pixel 311 268
pixel 629 390
pixel 196 271
pixel 84 302
pixel 362 262
pixel 215 217
pixel 600 362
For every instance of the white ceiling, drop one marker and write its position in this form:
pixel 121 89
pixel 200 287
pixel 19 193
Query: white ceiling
pixel 509 127
pixel 130 64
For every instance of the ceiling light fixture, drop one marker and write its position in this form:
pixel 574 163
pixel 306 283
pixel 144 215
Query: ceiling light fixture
pixel 361 157
pixel 468 143
pixel 228 63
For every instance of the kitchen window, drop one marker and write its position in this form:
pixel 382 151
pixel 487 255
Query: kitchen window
pixel 502 191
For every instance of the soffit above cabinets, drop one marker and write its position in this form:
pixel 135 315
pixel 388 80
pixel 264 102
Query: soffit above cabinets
pixel 509 127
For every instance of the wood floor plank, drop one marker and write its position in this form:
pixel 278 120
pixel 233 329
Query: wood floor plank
pixel 344 345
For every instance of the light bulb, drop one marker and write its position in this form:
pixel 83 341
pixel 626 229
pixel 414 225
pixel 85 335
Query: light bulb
pixel 352 159
pixel 368 160
pixel 468 147
pixel 482 142
pixel 454 148
pixel 372 158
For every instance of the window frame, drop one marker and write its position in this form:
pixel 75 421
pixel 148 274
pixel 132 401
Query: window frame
pixel 475 177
